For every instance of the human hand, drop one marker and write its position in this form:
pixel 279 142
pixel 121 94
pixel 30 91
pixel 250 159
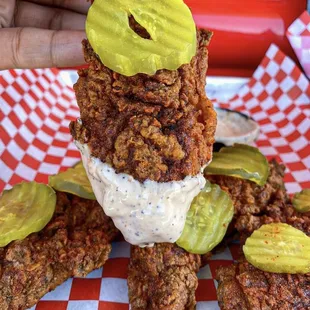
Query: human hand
pixel 42 33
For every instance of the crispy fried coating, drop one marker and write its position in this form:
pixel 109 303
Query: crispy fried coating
pixel 162 277
pixel 241 285
pixel 158 127
pixel 257 205
pixel 244 287
pixel 75 242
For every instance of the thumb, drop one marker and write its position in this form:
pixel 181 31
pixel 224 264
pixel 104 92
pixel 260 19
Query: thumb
pixel 39 48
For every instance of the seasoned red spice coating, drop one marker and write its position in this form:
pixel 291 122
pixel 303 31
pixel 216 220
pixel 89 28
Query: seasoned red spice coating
pixel 257 205
pixel 241 285
pixel 244 287
pixel 162 277
pixel 75 242
pixel 158 127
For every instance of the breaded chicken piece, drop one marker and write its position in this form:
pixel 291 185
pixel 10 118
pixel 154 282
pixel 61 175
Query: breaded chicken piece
pixel 158 127
pixel 162 277
pixel 241 285
pixel 75 242
pixel 257 205
pixel 244 287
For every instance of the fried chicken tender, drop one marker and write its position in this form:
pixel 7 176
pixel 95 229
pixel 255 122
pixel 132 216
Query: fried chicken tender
pixel 162 277
pixel 257 205
pixel 75 242
pixel 244 287
pixel 158 127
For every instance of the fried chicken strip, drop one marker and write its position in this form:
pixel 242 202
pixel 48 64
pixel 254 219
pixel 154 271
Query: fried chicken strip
pixel 162 277
pixel 241 285
pixel 75 242
pixel 244 287
pixel 257 205
pixel 158 127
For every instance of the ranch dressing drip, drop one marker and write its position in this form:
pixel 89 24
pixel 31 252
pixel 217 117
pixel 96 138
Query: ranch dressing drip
pixel 145 212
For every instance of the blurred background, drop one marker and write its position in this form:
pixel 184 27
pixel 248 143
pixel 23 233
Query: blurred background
pixel 244 31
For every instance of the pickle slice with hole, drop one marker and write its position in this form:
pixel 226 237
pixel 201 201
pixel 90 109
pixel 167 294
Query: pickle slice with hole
pixel 170 25
pixel 278 248
pixel 207 220
pixel 73 181
pixel 301 201
pixel 240 161
pixel 25 209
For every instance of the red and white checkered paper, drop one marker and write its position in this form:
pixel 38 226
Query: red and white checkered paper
pixel 278 98
pixel 299 36
pixel 36 107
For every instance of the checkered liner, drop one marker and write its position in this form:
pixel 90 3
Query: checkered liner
pixel 299 36
pixel 278 98
pixel 36 107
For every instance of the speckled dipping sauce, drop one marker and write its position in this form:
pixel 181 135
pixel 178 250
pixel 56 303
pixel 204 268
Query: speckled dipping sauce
pixel 235 127
pixel 145 213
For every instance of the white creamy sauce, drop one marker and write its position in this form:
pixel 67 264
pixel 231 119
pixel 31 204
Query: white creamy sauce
pixel 145 213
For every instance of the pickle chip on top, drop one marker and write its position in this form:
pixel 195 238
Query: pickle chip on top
pixel 25 209
pixel 207 220
pixel 171 29
pixel 73 181
pixel 240 161
pixel 278 248
pixel 301 201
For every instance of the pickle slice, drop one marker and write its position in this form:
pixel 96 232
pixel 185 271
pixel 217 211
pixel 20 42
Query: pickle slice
pixel 278 248
pixel 207 220
pixel 169 23
pixel 240 161
pixel 25 209
pixel 301 201
pixel 73 181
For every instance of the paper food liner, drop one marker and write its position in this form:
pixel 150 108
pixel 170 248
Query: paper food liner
pixel 299 36
pixel 37 106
